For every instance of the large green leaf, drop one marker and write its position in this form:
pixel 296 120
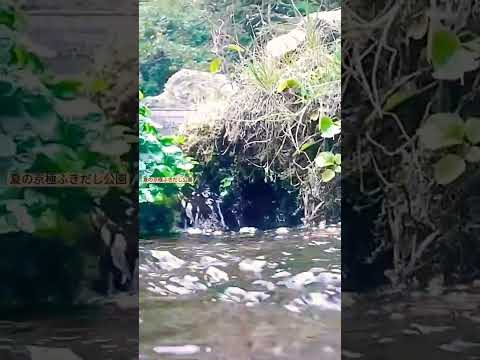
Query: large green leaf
pixel 472 129
pixel 215 65
pixel 442 130
pixel 448 169
pixel 473 154
pixel 325 159
pixel 444 46
pixel 328 175
pixel 328 128
pixel 462 61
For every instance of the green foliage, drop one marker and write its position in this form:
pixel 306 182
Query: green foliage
pixel 173 34
pixel 48 126
pixel 444 131
pixel 287 85
pixel 452 58
pixel 215 65
pixel 226 185
pixel 328 128
pixel 160 157
pixel 264 74
pixel 329 163
pixel 177 33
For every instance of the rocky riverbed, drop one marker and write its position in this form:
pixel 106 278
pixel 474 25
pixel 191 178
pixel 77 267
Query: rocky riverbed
pixel 247 295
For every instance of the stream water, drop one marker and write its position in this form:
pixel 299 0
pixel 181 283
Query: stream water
pixel 241 296
pixel 441 324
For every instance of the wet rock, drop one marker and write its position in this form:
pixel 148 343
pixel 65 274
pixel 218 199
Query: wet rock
pixel 256 297
pixel 328 278
pixel 179 290
pixel 189 282
pixel 248 230
pixel 250 265
pixel 266 284
pixel 194 231
pixel 281 274
pixel 240 295
pixel 166 260
pixel 207 261
pixel 322 300
pixel 300 280
pixel 235 293
pixel 215 275
pixel 282 231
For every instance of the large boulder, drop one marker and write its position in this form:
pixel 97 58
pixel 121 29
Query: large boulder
pixel 189 96
pixel 326 23
pixel 187 88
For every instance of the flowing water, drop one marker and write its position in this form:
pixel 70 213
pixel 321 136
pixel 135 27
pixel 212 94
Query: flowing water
pixel 442 324
pixel 241 296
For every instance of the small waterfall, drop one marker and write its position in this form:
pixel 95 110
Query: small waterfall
pixel 220 213
pixel 202 210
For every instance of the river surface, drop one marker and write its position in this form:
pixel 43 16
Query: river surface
pixel 440 323
pixel 241 296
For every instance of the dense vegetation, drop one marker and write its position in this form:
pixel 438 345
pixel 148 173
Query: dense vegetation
pixel 185 33
pixel 160 158
pixel 293 164
pixel 48 126
pixel 415 168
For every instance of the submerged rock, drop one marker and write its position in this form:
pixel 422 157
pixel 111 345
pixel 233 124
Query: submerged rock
pixel 215 275
pixel 282 231
pixel 300 280
pixel 252 265
pixel 207 261
pixel 322 300
pixel 166 260
pixel 248 230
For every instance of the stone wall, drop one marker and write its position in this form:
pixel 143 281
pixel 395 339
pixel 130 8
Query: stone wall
pixel 169 120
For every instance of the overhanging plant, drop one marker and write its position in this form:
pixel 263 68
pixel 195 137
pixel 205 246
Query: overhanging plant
pixel 162 160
